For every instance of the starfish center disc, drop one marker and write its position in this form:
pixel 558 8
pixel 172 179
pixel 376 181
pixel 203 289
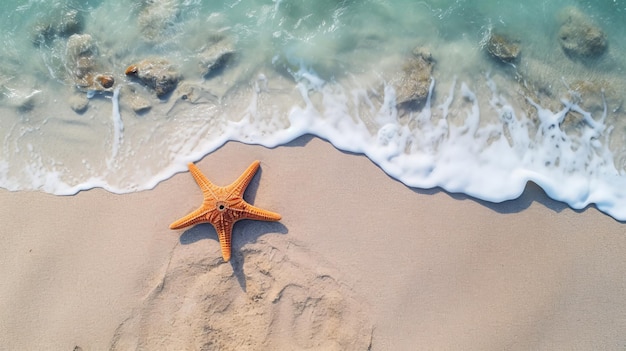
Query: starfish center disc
pixel 221 206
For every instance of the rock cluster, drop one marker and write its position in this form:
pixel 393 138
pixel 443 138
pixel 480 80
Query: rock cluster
pixel 83 66
pixel 86 68
pixel 579 36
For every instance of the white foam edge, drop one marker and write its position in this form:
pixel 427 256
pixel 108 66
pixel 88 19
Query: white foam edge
pixel 457 167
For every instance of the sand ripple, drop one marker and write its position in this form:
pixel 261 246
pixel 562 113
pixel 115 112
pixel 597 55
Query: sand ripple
pixel 275 295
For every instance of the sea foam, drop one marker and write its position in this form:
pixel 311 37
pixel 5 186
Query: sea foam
pixel 490 161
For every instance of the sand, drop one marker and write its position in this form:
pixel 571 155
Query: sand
pixel 359 260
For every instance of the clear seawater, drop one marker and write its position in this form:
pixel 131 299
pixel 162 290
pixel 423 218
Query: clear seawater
pixel 328 68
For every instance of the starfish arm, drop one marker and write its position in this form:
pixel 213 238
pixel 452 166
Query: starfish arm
pixel 239 186
pixel 195 217
pixel 203 182
pixel 224 231
pixel 259 214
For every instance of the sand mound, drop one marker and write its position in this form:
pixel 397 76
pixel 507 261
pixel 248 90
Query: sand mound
pixel 275 295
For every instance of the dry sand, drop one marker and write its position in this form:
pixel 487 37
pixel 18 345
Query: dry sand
pixel 357 259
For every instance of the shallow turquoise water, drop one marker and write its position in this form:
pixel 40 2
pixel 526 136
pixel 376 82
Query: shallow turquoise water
pixel 329 68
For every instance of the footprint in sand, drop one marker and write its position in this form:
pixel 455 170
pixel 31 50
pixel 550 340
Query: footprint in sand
pixel 275 296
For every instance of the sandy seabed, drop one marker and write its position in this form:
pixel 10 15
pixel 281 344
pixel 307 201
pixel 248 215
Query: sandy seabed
pixel 358 262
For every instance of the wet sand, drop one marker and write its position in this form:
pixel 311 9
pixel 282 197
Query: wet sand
pixel 358 259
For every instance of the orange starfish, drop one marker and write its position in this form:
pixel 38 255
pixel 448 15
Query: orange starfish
pixel 223 206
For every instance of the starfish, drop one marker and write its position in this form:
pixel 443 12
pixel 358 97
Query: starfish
pixel 223 206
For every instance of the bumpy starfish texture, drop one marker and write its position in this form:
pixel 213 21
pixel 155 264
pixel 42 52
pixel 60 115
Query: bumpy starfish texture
pixel 223 206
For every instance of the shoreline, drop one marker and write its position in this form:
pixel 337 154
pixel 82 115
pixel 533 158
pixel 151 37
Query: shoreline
pixel 430 269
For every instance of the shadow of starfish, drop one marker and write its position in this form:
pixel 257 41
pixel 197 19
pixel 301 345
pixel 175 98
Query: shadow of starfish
pixel 245 231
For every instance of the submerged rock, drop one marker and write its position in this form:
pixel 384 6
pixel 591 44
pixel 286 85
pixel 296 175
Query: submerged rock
pixel 140 104
pixel 60 24
pixel 190 94
pixel 130 97
pixel 156 17
pixel 158 74
pixel 216 56
pixel 195 94
pixel 83 66
pixel 579 36
pixel 592 95
pixel 24 100
pixel 81 52
pixel 412 86
pixel 79 102
pixel 502 47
